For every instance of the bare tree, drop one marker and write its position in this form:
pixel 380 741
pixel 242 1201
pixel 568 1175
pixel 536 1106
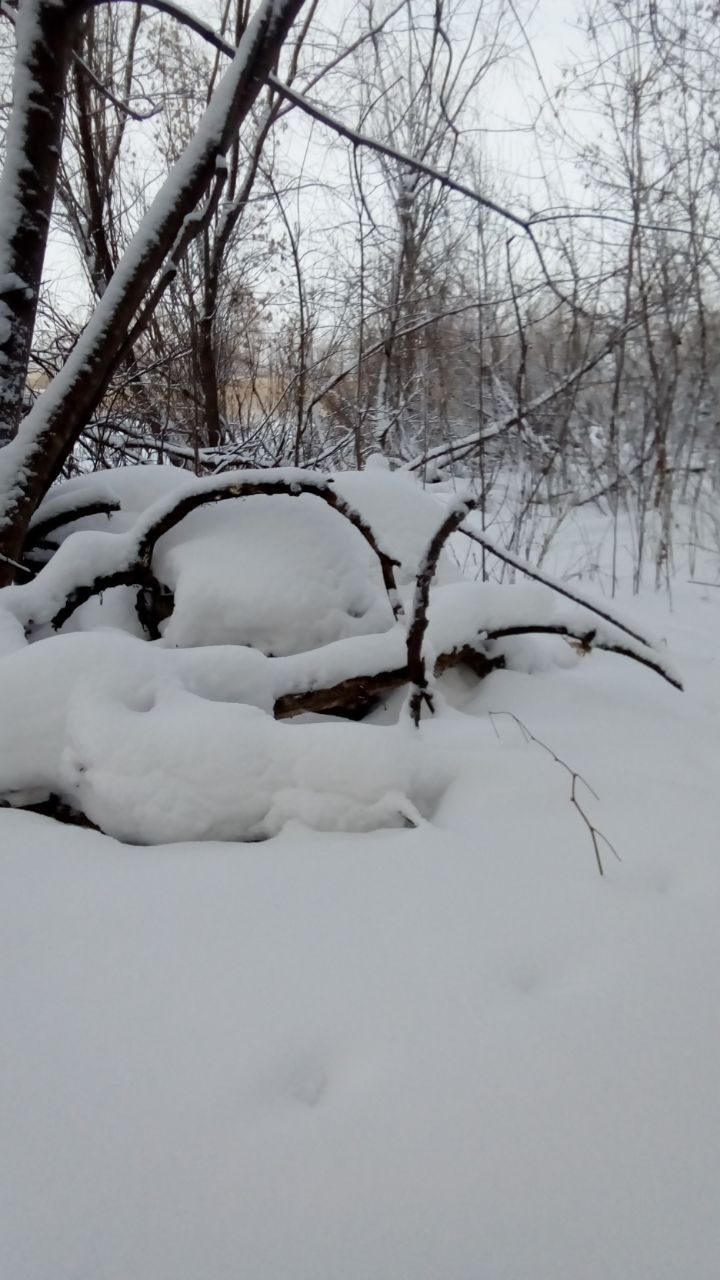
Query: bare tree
pixel 30 463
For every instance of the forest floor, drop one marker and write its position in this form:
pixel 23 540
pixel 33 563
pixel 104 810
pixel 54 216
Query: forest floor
pixel 451 1052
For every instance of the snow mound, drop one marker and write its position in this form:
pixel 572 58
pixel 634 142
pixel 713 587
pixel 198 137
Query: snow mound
pixel 280 574
pixel 274 597
pixel 150 774
pixel 155 744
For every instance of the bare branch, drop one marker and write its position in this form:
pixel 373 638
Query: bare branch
pixel 136 567
pixel 585 641
pixel 595 834
pixel 39 529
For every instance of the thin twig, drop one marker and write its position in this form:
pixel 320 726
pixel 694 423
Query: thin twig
pixel 595 834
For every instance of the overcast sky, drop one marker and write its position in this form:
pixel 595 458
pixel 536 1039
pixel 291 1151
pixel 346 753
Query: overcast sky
pixel 510 99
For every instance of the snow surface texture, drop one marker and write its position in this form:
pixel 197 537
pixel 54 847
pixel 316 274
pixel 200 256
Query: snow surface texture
pixel 450 1051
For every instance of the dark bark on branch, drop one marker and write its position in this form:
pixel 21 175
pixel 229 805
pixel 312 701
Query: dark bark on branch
pixel 419 620
pixel 538 576
pixel 134 575
pixel 40 529
pixel 286 488
pixel 55 808
pixel 357 696
pixel 57 420
pixel 139 570
pixel 586 641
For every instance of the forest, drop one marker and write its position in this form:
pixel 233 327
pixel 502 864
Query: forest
pixel 359 672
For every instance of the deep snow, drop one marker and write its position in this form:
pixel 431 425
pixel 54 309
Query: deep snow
pixel 450 1051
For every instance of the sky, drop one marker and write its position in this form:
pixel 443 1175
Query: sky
pixel 512 98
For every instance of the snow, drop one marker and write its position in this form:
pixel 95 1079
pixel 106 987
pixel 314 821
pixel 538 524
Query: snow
pixel 404 1029
pixel 134 488
pixel 274 595
pixel 297 574
pixel 221 561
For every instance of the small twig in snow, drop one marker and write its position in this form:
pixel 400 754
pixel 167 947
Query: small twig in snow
pixel 16 565
pixel 595 835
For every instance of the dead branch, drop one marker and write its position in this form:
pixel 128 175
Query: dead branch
pixel 133 575
pixel 530 571
pixel 137 570
pixel 54 807
pixel 586 641
pixel 357 696
pixel 40 529
pixel 576 778
pixel 221 491
pixel 419 619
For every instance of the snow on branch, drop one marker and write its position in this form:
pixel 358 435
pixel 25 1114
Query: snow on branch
pixel 587 640
pixel 561 588
pixel 111 560
pixel 455 450
pixel 32 460
pixel 41 528
pixel 638 649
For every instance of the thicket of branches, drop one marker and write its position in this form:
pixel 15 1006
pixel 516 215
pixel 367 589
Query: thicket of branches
pixel 290 250
pixel 311 298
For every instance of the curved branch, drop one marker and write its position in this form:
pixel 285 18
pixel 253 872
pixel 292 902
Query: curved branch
pixel 134 575
pixel 40 529
pixel 137 570
pixel 221 492
pixel 537 575
pixel 419 619
pixel 586 641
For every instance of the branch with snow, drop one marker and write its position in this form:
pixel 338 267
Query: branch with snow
pixel 32 461
pixel 126 559
pixel 41 528
pixel 639 649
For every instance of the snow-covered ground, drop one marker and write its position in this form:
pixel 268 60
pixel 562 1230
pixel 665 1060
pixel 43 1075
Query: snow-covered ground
pixel 447 1052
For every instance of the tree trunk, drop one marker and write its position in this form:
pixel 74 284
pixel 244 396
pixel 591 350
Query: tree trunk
pixel 30 463
pixel 45 32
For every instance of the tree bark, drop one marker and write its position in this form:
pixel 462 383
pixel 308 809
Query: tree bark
pixel 45 31
pixel 29 463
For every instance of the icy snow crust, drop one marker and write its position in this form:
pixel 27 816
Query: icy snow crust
pixel 274 596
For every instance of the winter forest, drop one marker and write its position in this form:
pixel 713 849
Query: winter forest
pixel 359 616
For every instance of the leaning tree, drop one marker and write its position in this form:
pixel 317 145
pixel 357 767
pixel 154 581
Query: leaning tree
pixel 36 445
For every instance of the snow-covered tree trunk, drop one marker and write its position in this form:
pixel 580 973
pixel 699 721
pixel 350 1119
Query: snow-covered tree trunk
pixel 45 32
pixel 30 463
